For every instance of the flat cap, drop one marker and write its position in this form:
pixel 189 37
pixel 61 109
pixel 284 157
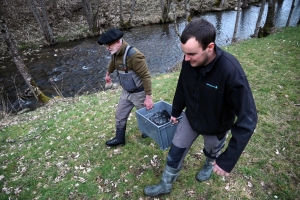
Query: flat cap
pixel 110 36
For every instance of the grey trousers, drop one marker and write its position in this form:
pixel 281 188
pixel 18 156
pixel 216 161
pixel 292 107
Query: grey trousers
pixel 184 138
pixel 126 103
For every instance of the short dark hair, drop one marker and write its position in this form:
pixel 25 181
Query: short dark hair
pixel 202 30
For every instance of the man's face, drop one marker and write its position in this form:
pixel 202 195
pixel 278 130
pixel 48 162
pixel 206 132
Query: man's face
pixel 113 47
pixel 194 53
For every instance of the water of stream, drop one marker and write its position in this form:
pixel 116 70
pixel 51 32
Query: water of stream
pixel 79 67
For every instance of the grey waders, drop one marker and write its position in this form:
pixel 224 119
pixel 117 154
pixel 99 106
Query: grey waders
pixel 165 185
pixel 205 172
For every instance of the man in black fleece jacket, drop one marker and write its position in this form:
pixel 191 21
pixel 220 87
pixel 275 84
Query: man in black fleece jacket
pixel 215 93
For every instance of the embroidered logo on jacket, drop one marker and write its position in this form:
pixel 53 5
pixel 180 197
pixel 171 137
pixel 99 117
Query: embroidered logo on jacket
pixel 213 86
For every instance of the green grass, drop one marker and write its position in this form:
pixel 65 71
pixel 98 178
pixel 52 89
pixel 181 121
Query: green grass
pixel 58 151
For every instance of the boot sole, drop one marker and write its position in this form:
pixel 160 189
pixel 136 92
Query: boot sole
pixel 113 145
pixel 163 193
pixel 202 179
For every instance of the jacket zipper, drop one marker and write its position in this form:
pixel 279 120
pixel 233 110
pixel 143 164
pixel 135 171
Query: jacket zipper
pixel 197 106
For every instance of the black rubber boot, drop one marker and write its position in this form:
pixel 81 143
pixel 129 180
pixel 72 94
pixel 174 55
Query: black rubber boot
pixel 119 139
pixel 165 185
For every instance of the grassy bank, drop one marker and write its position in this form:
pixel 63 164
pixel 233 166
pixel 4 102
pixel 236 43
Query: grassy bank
pixel 58 151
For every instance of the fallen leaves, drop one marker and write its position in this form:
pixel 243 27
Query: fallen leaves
pixel 154 161
pixel 277 151
pixel 250 184
pixel 227 187
pixel 191 193
pixel 117 151
pixel 80 179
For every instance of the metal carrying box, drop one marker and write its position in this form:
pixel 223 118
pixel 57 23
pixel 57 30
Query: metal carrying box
pixel 162 135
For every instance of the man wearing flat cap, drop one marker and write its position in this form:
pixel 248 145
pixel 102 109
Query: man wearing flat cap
pixel 134 78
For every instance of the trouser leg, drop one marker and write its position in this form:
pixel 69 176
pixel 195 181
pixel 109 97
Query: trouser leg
pixel 126 103
pixel 212 149
pixel 138 100
pixel 123 110
pixel 182 142
pixel 183 139
pixel 214 144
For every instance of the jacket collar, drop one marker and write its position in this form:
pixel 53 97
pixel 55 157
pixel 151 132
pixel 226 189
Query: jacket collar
pixel 208 67
pixel 122 49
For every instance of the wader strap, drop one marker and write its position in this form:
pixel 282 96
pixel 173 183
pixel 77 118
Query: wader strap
pixel 124 58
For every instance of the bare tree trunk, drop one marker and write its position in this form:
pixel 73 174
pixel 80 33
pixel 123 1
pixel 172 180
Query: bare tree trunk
pixel 188 17
pixel 102 17
pixel 54 8
pixel 48 29
pixel 165 8
pixel 269 24
pixel 162 3
pixel 222 6
pixel 87 7
pixel 169 5
pixel 132 11
pixel 261 11
pixel 234 38
pixel 222 3
pixel 42 19
pixel 174 13
pixel 291 12
pixel 39 95
pixel 121 14
pixel 54 4
pixel 244 4
pixel 96 23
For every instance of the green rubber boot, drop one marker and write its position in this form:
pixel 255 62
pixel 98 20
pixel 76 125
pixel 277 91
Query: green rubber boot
pixel 165 185
pixel 205 172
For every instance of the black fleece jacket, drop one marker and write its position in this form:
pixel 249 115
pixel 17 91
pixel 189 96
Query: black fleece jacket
pixel 217 98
